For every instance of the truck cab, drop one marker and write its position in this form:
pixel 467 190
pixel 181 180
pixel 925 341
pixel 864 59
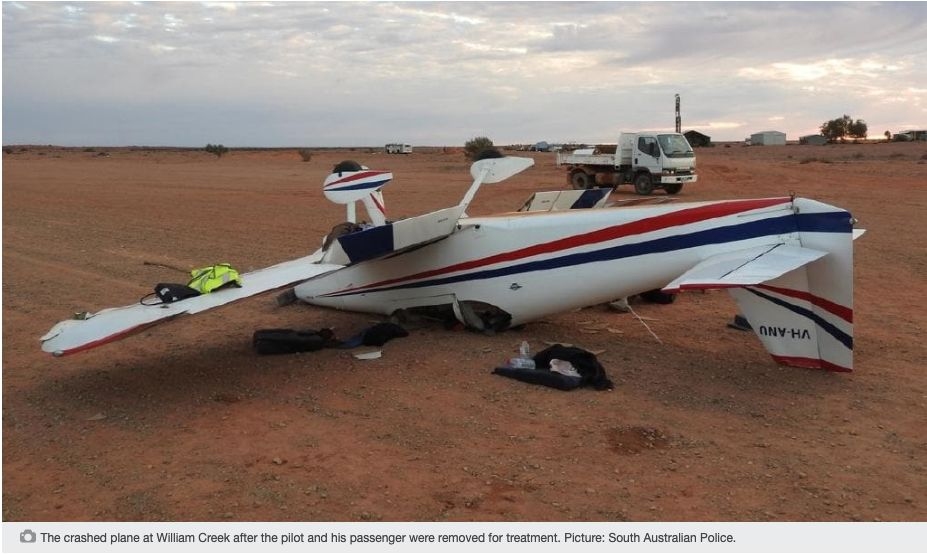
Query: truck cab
pixel 649 161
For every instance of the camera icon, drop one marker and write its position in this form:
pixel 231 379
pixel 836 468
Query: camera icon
pixel 27 536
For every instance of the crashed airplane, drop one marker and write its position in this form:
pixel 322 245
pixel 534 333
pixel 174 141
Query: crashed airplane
pixel 787 262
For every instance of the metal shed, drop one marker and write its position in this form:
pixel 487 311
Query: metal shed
pixel 813 139
pixel 697 139
pixel 768 138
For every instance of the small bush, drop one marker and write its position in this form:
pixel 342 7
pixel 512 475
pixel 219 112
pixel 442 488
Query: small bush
pixel 476 145
pixel 305 154
pixel 216 149
pixel 7 150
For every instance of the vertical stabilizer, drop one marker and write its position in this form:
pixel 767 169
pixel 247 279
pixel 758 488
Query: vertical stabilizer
pixel 805 316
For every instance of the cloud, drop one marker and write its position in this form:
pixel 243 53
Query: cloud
pixel 438 73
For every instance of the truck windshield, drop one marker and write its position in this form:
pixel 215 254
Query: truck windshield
pixel 675 146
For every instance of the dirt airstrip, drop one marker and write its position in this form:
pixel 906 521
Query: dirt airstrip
pixel 185 422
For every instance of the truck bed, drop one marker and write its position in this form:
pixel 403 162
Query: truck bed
pixel 586 159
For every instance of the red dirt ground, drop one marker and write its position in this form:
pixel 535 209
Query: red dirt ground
pixel 184 422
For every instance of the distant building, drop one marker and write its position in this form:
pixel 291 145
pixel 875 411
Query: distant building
pixel 813 139
pixel 697 139
pixel 917 135
pixel 768 138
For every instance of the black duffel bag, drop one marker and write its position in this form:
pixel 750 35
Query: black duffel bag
pixel 289 341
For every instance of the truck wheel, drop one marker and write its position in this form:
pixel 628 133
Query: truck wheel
pixel 581 181
pixel 672 188
pixel 643 184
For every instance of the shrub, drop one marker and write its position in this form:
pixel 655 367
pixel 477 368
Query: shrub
pixel 305 154
pixel 476 145
pixel 216 149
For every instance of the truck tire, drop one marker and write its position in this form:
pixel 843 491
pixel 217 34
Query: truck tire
pixel 672 188
pixel 581 180
pixel 643 184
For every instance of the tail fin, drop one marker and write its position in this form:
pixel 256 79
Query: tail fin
pixel 805 316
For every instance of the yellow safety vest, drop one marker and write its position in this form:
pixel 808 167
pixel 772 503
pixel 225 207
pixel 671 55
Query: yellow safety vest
pixel 208 279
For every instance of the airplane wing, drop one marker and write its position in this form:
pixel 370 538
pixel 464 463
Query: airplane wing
pixel 95 329
pixel 750 266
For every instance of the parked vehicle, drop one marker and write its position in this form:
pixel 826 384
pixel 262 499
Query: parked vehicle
pixel 397 148
pixel 647 161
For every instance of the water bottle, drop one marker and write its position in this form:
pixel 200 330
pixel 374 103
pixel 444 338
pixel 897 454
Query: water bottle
pixel 524 359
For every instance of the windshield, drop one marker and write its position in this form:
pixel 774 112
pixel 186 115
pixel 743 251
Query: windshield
pixel 675 146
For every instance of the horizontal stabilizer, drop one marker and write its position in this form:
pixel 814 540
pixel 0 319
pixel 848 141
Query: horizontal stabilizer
pixel 95 329
pixel 751 266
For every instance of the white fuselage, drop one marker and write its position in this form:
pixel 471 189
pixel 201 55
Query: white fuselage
pixel 534 264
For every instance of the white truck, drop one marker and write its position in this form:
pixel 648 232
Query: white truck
pixel 647 161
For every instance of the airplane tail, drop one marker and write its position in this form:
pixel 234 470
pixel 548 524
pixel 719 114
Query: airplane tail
pixel 805 317
pixel 797 295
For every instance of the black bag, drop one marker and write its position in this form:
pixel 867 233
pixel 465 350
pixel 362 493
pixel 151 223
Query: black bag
pixel 378 335
pixel 169 292
pixel 289 341
pixel 585 362
pixel 544 377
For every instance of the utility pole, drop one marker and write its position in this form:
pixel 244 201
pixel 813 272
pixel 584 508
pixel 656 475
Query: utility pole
pixel 678 118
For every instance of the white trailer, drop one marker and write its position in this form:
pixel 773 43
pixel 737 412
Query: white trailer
pixel 398 148
pixel 647 161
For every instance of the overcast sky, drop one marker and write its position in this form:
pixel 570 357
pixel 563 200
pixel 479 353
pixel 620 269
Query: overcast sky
pixel 367 73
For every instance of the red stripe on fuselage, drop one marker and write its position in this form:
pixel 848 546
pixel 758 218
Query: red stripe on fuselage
pixel 673 219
